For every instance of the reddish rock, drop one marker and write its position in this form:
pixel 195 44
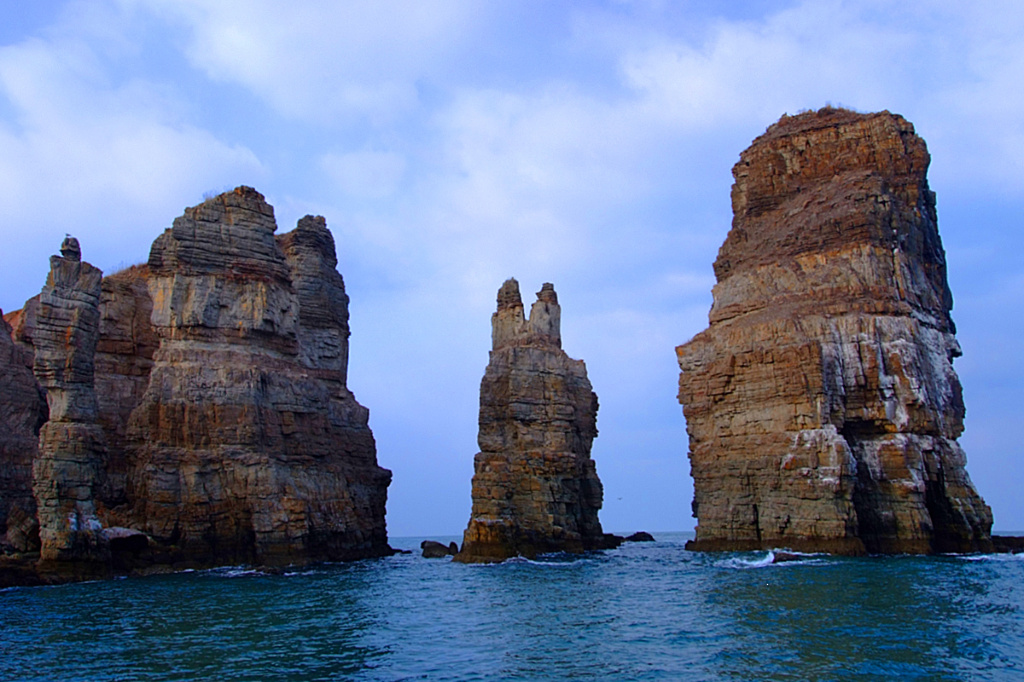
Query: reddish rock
pixel 821 404
pixel 535 487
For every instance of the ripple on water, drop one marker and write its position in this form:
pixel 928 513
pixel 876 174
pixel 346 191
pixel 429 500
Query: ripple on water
pixel 645 611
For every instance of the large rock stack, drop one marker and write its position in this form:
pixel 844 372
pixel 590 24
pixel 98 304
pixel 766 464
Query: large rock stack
pixel 821 404
pixel 535 487
pixel 247 445
pixel 198 407
pixel 72 446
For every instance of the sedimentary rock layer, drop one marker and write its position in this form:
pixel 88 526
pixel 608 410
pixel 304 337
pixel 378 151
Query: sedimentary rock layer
pixel 198 408
pixel 71 444
pixel 821 403
pixel 22 412
pixel 535 487
pixel 247 444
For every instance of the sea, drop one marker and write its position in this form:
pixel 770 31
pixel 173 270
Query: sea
pixel 644 611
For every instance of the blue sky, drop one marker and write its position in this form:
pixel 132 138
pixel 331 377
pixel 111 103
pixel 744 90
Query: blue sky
pixel 451 145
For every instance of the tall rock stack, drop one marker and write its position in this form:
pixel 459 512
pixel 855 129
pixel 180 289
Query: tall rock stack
pixel 71 444
pixel 535 487
pixel 247 444
pixel 821 403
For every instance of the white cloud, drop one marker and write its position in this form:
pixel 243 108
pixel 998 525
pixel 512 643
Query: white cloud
pixel 85 153
pixel 365 174
pixel 319 59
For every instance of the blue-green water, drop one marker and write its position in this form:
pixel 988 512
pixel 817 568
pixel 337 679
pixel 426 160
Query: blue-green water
pixel 646 611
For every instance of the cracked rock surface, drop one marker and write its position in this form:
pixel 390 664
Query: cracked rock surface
pixel 821 403
pixel 535 487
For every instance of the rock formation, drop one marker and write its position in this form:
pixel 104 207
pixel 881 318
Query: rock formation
pixel 198 407
pixel 821 403
pixel 124 358
pixel 22 413
pixel 535 487
pixel 71 444
pixel 247 444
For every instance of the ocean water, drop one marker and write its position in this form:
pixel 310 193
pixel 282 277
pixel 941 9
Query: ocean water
pixel 646 611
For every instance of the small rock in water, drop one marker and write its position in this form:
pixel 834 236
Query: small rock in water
pixel 640 536
pixel 780 557
pixel 436 550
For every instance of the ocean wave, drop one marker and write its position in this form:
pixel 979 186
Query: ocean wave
pixel 783 557
pixel 743 563
pixel 1001 556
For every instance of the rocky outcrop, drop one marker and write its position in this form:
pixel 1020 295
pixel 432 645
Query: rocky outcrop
pixel 198 407
pixel 535 487
pixel 72 446
pixel 431 549
pixel 22 413
pixel 821 403
pixel 124 358
pixel 247 445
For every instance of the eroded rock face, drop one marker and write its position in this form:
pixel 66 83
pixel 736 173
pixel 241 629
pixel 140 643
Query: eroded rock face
pixel 22 413
pixel 72 446
pixel 535 487
pixel 247 444
pixel 124 358
pixel 198 408
pixel 821 404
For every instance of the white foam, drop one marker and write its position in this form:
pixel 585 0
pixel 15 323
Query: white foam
pixel 740 562
pixel 1001 556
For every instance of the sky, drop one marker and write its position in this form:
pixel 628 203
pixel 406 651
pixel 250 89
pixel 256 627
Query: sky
pixel 451 145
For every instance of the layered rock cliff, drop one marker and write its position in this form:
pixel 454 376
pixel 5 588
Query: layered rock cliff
pixel 198 407
pixel 247 444
pixel 22 412
pixel 535 487
pixel 821 403
pixel 72 445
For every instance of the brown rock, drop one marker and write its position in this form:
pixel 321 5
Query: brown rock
pixel 199 413
pixel 436 550
pixel 247 445
pixel 535 487
pixel 124 358
pixel 821 404
pixel 1010 544
pixel 22 413
pixel 71 444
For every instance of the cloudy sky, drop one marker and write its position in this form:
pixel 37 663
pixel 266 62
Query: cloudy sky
pixel 451 145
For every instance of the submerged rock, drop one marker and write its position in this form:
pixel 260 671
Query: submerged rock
pixel 535 487
pixel 821 403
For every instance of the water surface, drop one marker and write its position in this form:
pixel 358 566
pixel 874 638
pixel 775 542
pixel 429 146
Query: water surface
pixel 646 611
